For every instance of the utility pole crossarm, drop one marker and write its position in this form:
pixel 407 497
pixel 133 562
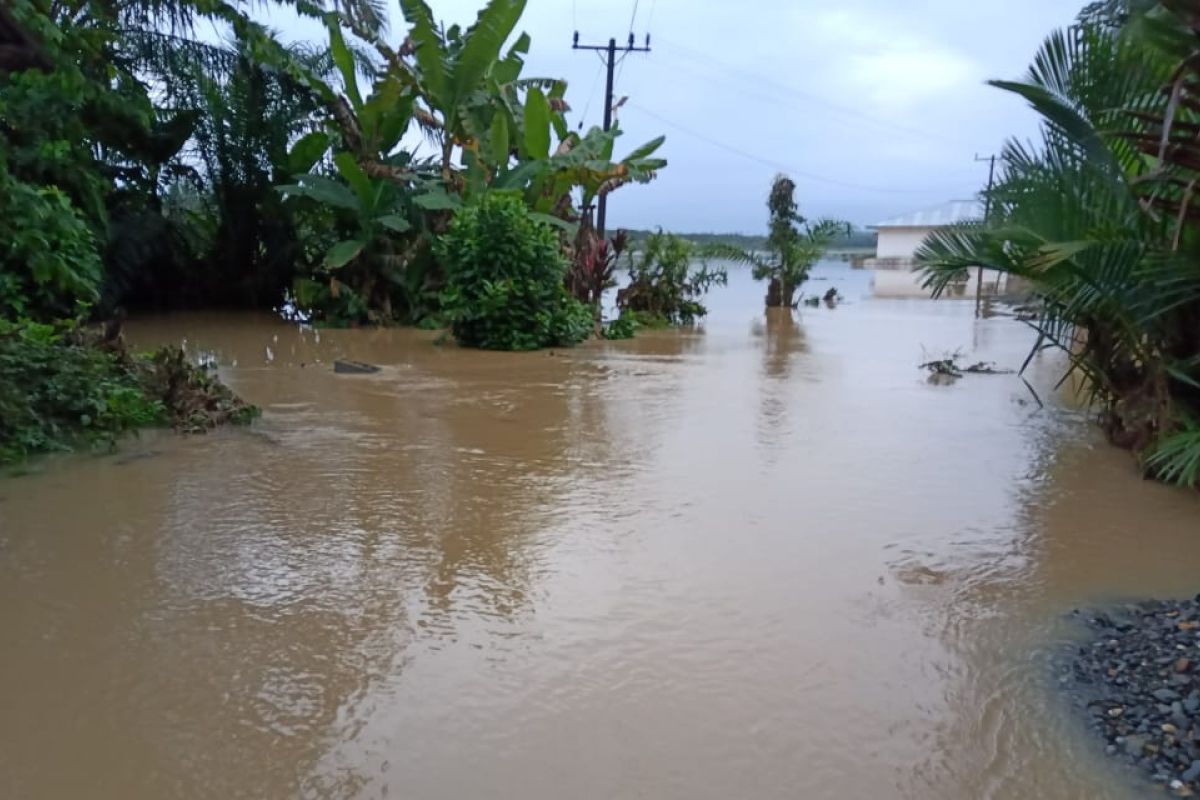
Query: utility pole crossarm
pixel 612 44
pixel 610 51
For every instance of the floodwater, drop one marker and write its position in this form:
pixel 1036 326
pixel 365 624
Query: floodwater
pixel 761 559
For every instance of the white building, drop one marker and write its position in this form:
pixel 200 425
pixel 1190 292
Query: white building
pixel 900 237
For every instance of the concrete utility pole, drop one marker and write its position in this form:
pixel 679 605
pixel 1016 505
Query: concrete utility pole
pixel 610 50
pixel 987 215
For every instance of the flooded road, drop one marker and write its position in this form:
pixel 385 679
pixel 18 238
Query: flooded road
pixel 762 559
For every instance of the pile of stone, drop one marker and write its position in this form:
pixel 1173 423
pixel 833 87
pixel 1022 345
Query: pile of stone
pixel 1139 678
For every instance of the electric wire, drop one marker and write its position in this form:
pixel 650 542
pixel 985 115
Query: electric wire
pixel 724 70
pixel 776 165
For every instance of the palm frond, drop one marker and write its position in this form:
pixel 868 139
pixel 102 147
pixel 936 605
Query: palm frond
pixel 1176 457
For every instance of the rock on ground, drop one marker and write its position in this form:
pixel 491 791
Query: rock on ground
pixel 1139 678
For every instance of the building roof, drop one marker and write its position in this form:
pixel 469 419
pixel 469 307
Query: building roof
pixel 946 214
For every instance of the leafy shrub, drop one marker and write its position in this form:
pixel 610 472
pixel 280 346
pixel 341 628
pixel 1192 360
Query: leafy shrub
pixel 50 266
pixel 623 327
pixel 62 388
pixel 665 285
pixel 505 280
pixel 194 399
pixel 56 393
pixel 647 319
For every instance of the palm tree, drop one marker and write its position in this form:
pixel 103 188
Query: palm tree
pixel 1103 232
pixel 794 245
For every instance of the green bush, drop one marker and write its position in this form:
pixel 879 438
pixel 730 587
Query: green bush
pixel 623 327
pixel 56 393
pixel 505 280
pixel 50 265
pixel 62 387
pixel 664 285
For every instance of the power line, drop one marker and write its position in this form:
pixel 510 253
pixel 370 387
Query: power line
pixel 620 70
pixel 632 20
pixel 592 91
pixel 723 69
pixel 743 90
pixel 749 90
pixel 775 164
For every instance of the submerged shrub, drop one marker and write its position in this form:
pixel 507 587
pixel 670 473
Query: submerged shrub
pixel 61 388
pixel 667 279
pixel 623 327
pixel 56 393
pixel 505 280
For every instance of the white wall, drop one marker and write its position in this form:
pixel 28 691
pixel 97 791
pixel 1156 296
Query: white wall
pixel 899 242
pixel 906 283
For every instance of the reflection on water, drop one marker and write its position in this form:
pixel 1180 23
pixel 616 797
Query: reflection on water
pixel 761 558
pixel 783 343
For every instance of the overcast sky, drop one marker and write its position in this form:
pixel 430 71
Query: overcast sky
pixel 874 107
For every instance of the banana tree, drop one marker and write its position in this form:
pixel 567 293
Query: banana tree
pixel 453 67
pixel 382 195
pixel 548 179
pixel 504 124
pixel 371 265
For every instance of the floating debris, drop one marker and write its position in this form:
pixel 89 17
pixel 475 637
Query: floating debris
pixel 346 367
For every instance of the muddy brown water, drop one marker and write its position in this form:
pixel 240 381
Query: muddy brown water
pixel 763 559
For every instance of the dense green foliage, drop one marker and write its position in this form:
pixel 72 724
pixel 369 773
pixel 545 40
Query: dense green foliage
pixel 494 129
pixel 623 327
pixel 50 267
pixel 242 170
pixel 55 393
pixel 89 133
pixel 504 280
pixel 793 245
pixel 667 279
pixel 1099 217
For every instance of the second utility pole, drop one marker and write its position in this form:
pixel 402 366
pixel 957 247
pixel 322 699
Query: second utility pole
pixel 610 51
pixel 987 217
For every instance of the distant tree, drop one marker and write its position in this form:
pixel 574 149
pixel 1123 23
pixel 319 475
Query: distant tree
pixel 793 245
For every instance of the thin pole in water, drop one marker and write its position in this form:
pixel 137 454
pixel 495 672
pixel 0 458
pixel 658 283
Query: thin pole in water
pixel 987 214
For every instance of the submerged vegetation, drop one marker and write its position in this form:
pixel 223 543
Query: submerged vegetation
pixel 793 245
pixel 493 130
pixel 63 387
pixel 143 165
pixel 1101 219
pixel 176 171
pixel 667 279
pixel 504 280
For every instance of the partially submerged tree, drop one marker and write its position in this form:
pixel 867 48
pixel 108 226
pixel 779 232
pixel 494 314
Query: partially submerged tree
pixel 794 245
pixel 505 280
